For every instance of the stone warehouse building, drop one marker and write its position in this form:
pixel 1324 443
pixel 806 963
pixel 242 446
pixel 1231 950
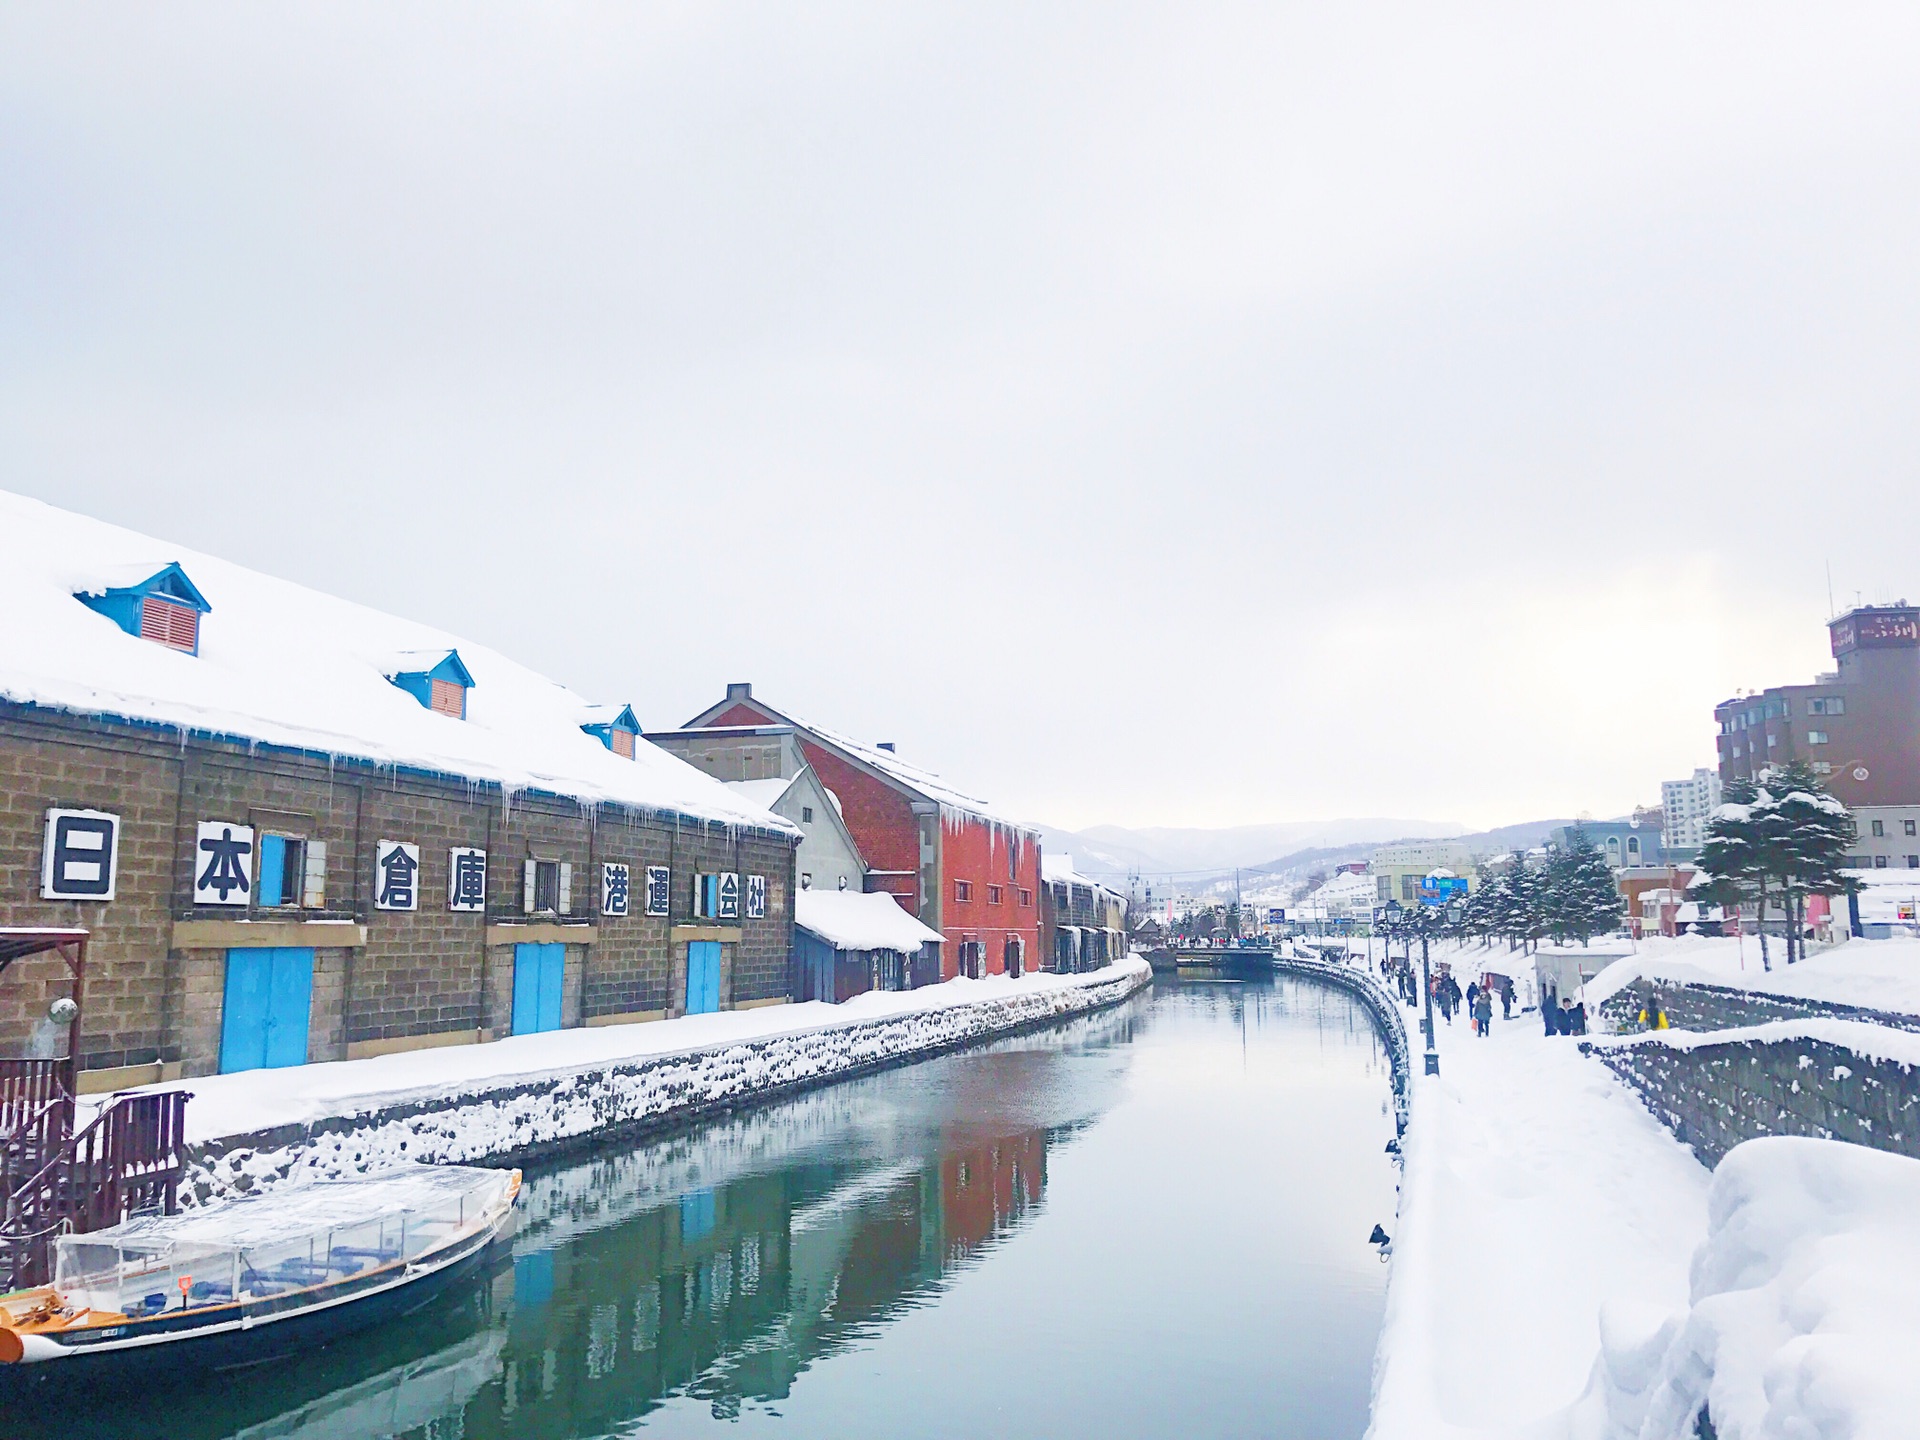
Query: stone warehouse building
pixel 1084 921
pixel 298 830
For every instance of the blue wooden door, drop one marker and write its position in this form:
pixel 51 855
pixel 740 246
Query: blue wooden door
pixel 269 997
pixel 539 971
pixel 703 977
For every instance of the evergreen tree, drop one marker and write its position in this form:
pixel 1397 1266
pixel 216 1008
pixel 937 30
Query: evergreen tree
pixel 1810 833
pixel 1735 859
pixel 1530 914
pixel 1581 898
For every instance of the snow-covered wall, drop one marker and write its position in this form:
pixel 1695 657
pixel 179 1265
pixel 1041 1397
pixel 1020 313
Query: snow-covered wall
pixel 530 1116
pixel 1825 1079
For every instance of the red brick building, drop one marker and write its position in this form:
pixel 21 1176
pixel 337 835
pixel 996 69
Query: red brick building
pixel 943 855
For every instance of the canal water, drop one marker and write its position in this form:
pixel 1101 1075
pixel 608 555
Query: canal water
pixel 1148 1222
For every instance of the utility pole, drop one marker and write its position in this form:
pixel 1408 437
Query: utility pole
pixel 1426 983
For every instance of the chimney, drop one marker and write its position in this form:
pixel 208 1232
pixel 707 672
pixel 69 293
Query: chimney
pixel 739 690
pixel 886 745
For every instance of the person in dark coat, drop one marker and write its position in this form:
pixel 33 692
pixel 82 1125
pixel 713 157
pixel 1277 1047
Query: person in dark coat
pixel 1550 1012
pixel 1483 1014
pixel 1506 1001
pixel 1577 1018
pixel 1472 1009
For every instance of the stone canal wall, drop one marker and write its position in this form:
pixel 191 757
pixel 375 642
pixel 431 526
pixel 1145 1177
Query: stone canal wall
pixel 541 1116
pixel 1379 1003
pixel 1831 1079
pixel 1694 1006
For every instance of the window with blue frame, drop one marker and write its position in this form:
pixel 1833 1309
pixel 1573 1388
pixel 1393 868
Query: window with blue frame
pixel 618 730
pixel 165 608
pixel 436 678
pixel 292 873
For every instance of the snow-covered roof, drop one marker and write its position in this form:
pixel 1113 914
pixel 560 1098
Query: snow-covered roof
pixel 764 793
pixel 928 784
pixel 850 920
pixel 288 666
pixel 1057 869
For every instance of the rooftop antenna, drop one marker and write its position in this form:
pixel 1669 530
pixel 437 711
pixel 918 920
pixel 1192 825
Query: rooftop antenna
pixel 1831 612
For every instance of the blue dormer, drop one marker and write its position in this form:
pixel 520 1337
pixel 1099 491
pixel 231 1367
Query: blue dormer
pixel 618 730
pixel 435 678
pixel 165 608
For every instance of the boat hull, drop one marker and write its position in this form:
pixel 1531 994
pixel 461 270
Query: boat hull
pixel 138 1354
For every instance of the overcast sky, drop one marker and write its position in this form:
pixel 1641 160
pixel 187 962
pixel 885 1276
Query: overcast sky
pixel 1152 415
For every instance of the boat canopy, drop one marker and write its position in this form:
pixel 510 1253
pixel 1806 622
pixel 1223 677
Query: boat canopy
pixel 266 1245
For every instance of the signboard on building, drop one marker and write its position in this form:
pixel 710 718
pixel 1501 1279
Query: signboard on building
pixel 223 864
pixel 81 857
pixel 1876 629
pixel 466 879
pixel 1436 890
pixel 1276 916
pixel 659 889
pixel 396 872
pixel 728 907
pixel 756 897
pixel 616 886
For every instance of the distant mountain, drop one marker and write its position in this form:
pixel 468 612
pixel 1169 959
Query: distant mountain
pixel 1480 842
pixel 1200 860
pixel 1106 850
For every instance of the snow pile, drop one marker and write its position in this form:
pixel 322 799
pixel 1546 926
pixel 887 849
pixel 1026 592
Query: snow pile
pixel 850 920
pixel 1871 974
pixel 480 1103
pixel 1538 1197
pixel 326 694
pixel 1805 1307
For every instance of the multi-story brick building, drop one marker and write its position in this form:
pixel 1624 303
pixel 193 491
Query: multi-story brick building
pixel 945 856
pixel 1858 725
pixel 298 830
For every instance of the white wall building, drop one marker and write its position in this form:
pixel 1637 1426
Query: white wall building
pixel 1687 806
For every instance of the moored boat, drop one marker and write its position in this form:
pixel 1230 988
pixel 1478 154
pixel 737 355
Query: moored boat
pixel 242 1281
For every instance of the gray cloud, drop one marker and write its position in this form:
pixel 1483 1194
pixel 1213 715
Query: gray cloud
pixel 1179 415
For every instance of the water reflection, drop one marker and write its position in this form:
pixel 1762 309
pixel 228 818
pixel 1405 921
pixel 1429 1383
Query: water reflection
pixel 702 1278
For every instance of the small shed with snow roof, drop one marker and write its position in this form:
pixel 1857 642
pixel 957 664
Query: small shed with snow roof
pixel 846 943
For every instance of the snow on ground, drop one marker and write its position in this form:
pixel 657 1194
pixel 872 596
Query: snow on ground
pixel 1538 1195
pixel 1806 1312
pixel 1875 974
pixel 256 1100
pixel 1566 1270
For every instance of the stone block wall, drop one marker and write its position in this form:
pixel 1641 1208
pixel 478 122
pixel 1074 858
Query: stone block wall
pixel 424 976
pixel 1714 1096
pixel 1726 1007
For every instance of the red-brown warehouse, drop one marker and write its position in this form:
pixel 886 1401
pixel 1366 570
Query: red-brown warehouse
pixel 946 857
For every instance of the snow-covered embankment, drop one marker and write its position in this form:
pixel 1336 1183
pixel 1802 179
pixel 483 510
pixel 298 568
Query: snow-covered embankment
pixel 543 1094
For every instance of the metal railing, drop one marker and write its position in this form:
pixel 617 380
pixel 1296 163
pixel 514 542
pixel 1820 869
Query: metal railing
pixel 129 1159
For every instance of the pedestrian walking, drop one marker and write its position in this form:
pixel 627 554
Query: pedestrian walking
pixel 1506 1001
pixel 1482 1014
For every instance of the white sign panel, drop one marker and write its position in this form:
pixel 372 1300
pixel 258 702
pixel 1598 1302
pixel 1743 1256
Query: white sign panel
pixel 756 897
pixel 659 889
pixel 616 887
pixel 223 864
pixel 729 896
pixel 396 875
pixel 466 879
pixel 81 857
